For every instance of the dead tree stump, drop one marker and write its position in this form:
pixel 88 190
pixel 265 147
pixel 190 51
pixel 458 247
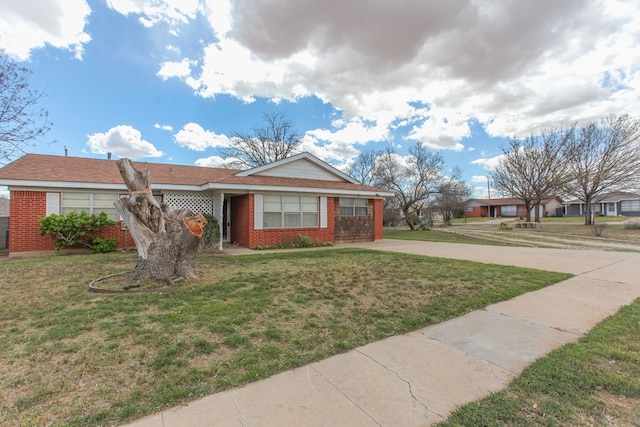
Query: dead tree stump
pixel 166 238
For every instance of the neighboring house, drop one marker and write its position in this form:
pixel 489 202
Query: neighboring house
pixel 510 208
pixel 610 204
pixel 4 222
pixel 267 205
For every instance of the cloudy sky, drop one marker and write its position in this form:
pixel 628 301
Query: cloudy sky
pixel 170 81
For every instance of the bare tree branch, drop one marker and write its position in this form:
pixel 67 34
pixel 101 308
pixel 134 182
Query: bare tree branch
pixel 22 123
pixel 275 140
pixel 451 196
pixel 531 169
pixel 364 167
pixel 412 181
pixel 602 157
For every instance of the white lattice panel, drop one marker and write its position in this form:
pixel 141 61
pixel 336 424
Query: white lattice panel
pixel 197 202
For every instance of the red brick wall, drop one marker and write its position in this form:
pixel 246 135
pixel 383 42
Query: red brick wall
pixel 244 233
pixel 24 229
pixel 25 208
pixel 378 213
pixel 477 212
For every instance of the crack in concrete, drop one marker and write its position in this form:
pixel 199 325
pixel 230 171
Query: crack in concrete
pixel 235 405
pixel 407 382
pixel 346 397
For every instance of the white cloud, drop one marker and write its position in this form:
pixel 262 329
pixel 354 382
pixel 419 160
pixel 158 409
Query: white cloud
pixel 151 12
pixel 442 130
pixel 211 162
pixel 122 141
pixel 479 179
pixel 168 128
pixel 194 137
pixel 30 24
pixel 354 131
pixel 337 153
pixel 180 69
pixel 489 163
pixel 512 67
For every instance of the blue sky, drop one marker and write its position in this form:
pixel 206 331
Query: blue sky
pixel 170 81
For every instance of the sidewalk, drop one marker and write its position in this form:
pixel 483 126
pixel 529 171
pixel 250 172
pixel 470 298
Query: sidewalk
pixel 418 378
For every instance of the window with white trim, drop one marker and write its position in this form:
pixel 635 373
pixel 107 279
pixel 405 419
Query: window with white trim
pixel 353 207
pixel 630 205
pixel 290 211
pixel 510 210
pixel 92 203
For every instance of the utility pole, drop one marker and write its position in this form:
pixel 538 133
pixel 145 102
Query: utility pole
pixel 488 188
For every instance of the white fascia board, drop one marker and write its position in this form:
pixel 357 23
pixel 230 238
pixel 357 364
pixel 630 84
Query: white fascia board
pixel 238 188
pixel 280 189
pixel 31 185
pixel 48 185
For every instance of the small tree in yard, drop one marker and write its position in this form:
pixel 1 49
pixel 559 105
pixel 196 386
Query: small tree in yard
pixel 603 157
pixel 451 197
pixel 78 229
pixel 412 180
pixel 532 169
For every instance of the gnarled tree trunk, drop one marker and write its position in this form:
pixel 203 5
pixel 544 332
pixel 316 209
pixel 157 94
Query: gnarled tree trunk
pixel 166 238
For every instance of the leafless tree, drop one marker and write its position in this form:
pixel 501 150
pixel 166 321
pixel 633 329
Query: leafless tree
pixel 22 123
pixel 602 157
pixel 275 140
pixel 364 167
pixel 451 196
pixel 532 169
pixel 412 180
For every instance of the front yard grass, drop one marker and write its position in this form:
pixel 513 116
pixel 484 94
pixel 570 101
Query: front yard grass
pixel 71 357
pixel 595 381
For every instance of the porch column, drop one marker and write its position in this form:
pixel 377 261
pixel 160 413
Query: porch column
pixel 221 223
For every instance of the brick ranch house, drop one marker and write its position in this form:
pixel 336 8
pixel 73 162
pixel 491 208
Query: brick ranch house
pixel 267 205
pixel 510 208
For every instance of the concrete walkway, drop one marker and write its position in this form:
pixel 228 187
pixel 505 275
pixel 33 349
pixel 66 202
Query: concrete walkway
pixel 418 378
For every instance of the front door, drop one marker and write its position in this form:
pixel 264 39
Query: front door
pixel 226 220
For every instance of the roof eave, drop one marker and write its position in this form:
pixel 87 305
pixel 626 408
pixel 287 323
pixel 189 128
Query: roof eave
pixel 296 189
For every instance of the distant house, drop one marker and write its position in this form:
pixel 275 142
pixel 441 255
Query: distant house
pixel 510 208
pixel 267 205
pixel 610 204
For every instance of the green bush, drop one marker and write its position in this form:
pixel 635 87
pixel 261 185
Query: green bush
pixel 74 229
pixel 210 234
pixel 102 245
pixel 632 226
pixel 303 241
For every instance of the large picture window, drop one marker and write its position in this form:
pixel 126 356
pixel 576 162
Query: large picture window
pixel 509 210
pixel 290 211
pixel 353 207
pixel 630 205
pixel 92 203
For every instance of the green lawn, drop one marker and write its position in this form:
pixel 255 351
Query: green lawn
pixel 595 381
pixel 71 357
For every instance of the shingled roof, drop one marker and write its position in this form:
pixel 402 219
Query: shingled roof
pixel 32 169
pixel 40 167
